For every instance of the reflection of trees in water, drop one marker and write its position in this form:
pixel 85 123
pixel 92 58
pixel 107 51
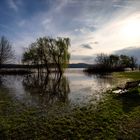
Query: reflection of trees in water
pixel 48 89
pixel 0 81
pixel 103 78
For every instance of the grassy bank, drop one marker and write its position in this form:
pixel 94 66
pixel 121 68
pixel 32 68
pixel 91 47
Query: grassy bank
pixel 133 75
pixel 115 117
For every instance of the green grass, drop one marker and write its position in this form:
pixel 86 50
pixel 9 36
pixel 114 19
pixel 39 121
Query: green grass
pixel 131 75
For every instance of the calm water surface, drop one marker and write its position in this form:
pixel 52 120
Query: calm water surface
pixel 75 87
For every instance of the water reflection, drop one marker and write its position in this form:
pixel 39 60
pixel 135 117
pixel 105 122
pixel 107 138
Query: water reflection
pixel 74 87
pixel 47 89
pixel 0 81
pixel 105 80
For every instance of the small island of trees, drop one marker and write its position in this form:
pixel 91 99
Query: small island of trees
pixel 112 63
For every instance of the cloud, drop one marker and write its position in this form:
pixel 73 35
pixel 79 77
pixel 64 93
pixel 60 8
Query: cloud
pixel 87 46
pixel 95 42
pixel 131 51
pixel 21 23
pixel 86 29
pixel 46 21
pixel 13 5
pixel 120 6
pixel 82 58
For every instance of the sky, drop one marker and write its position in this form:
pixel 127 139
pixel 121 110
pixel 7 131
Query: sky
pixel 93 26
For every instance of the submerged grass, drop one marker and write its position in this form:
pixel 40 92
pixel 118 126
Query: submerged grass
pixel 115 117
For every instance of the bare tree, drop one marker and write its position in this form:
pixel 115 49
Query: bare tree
pixel 6 52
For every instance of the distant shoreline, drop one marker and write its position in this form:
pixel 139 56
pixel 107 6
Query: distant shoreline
pixel 21 66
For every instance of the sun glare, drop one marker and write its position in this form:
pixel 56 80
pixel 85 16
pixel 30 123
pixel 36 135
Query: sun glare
pixel 131 30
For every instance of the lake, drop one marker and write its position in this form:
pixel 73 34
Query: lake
pixel 73 88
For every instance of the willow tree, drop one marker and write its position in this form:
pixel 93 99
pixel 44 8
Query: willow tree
pixel 30 56
pixel 58 49
pixel 6 52
pixel 43 52
pixel 47 51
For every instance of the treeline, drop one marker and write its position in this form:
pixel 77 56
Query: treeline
pixel 112 63
pixel 44 54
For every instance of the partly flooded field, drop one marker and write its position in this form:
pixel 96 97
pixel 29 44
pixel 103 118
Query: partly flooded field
pixel 73 106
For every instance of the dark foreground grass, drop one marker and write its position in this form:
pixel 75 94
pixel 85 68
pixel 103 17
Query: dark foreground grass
pixel 116 117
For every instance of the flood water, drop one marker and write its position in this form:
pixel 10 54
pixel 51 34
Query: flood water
pixel 74 87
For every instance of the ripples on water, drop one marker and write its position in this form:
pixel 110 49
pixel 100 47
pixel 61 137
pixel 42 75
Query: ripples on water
pixel 74 87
